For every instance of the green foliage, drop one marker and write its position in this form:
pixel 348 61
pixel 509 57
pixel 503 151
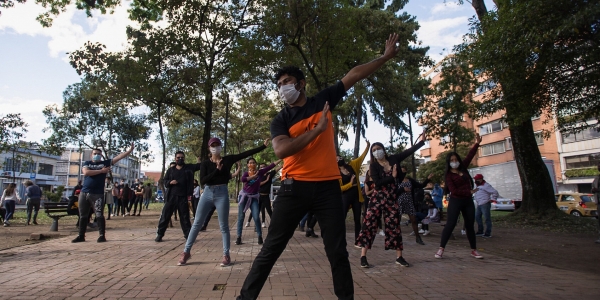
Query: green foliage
pixel 56 195
pixel 582 172
pixel 93 119
pixel 12 130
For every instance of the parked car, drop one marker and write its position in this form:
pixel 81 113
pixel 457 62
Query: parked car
pixel 577 204
pixel 506 204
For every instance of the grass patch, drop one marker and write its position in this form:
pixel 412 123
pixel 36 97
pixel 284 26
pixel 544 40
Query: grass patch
pixel 556 221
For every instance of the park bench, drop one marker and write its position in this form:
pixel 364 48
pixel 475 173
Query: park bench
pixel 56 210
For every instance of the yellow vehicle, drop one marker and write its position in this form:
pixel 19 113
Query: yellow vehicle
pixel 577 204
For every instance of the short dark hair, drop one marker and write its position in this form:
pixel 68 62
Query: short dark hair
pixel 96 149
pixel 289 70
pixel 179 152
pixel 251 158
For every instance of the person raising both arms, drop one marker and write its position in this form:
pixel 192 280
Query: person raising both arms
pixel 303 137
pixel 460 184
pixel 385 172
pixel 214 176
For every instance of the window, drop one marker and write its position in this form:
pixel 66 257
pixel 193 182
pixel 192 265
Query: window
pixel 586 134
pixel 494 148
pixel 18 165
pixel 490 127
pixel 445 140
pixel 45 169
pixel 485 86
pixel 508 143
pixel 538 137
pixel 582 161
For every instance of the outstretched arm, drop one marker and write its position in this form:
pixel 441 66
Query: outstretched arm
pixel 123 155
pixel 361 72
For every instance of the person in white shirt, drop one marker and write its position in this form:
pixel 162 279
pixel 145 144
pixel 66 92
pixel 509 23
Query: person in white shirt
pixel 484 194
pixel 9 198
pixel 432 216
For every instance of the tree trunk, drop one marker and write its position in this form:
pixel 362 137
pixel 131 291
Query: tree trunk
pixel 161 132
pixel 536 184
pixel 358 127
pixel 208 102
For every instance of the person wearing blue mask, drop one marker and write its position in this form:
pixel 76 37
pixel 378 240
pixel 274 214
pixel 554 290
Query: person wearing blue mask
pixel 92 191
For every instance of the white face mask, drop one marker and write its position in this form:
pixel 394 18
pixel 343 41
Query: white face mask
pixel 215 150
pixel 378 154
pixel 454 165
pixel 288 93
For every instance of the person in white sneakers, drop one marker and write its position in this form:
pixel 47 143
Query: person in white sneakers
pixel 484 196
pixel 433 216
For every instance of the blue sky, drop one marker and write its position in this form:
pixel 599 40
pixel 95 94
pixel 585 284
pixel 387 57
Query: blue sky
pixel 34 68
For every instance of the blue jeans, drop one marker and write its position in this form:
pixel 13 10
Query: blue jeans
pixel 303 221
pixel 115 210
pixel 10 209
pixel 485 210
pixel 254 208
pixel 146 202
pixel 217 196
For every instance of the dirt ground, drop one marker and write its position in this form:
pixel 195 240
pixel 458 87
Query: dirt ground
pixel 557 250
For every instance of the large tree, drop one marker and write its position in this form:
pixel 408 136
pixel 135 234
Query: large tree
pixel 545 57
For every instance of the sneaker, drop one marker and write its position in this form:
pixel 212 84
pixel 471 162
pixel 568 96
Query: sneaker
pixel 78 239
pixel 158 238
pixel 420 241
pixel 400 260
pixel 357 246
pixel 476 254
pixel 363 262
pixel 35 223
pixel 101 239
pixel 381 233
pixel 426 232
pixel 412 233
pixel 479 234
pixel 439 253
pixel 260 240
pixel 487 236
pixel 238 241
pixel 264 225
pixel 421 231
pixel 6 225
pixel 184 258
pixel 463 232
pixel 226 261
pixel 247 224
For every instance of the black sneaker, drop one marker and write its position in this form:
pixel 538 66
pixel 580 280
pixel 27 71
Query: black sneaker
pixel 101 239
pixel 158 238
pixel 363 262
pixel 78 239
pixel 479 234
pixel 487 236
pixel 400 260
pixel 260 240
pixel 238 241
pixel 420 241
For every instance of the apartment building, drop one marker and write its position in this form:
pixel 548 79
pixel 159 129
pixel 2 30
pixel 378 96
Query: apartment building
pixel 28 164
pixel 570 159
pixel 69 168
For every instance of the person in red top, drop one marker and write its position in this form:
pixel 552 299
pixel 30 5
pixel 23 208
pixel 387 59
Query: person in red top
pixel 460 185
pixel 303 137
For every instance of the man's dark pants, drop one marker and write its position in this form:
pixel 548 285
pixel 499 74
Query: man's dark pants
pixel 175 203
pixel 324 199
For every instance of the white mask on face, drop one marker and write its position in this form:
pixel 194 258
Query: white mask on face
pixel 454 165
pixel 288 93
pixel 215 150
pixel 378 154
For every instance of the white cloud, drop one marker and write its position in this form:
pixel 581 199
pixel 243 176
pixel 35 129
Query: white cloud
pixel 442 34
pixel 31 113
pixel 446 8
pixel 66 34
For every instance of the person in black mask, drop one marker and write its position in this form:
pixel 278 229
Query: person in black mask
pixel 179 181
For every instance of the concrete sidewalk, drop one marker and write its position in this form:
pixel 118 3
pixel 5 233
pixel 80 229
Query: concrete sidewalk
pixel 132 265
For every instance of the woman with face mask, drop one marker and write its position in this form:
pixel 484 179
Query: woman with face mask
pixel 385 172
pixel 214 176
pixel 460 185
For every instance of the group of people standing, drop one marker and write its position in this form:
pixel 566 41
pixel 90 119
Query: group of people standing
pixel 120 198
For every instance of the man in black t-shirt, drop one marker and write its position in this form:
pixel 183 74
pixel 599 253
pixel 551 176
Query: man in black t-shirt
pixel 92 191
pixel 303 137
pixel 179 182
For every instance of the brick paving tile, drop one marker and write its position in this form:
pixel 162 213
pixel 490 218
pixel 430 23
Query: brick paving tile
pixel 139 268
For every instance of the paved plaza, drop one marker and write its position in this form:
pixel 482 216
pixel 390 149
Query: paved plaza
pixel 132 265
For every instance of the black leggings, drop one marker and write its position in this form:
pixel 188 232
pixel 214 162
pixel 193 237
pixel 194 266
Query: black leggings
pixel 455 207
pixel 350 200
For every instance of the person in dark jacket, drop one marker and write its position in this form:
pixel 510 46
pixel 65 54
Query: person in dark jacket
pixel 410 198
pixel 179 181
pixel 34 196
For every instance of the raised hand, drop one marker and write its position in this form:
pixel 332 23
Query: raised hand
pixel 267 141
pixel 390 46
pixel 324 120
